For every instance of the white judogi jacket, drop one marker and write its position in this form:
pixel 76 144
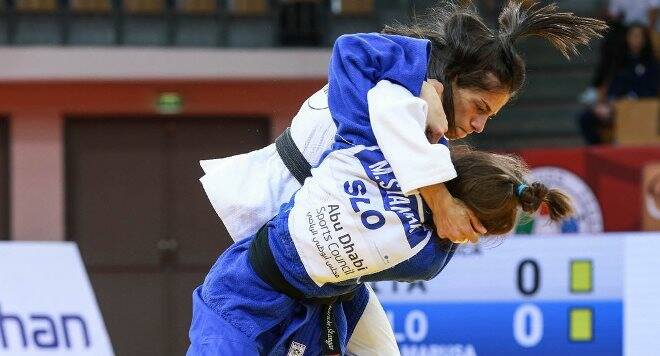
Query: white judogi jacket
pixel 247 190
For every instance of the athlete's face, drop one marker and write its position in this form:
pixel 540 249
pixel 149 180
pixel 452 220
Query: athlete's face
pixel 472 108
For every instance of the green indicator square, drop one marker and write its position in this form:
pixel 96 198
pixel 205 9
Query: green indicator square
pixel 581 322
pixel 581 276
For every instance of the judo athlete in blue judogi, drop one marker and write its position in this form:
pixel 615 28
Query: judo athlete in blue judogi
pixel 348 224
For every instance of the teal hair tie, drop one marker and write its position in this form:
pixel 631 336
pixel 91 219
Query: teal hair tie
pixel 520 189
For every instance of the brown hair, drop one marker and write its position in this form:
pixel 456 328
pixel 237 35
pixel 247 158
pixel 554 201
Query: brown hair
pixel 488 183
pixel 465 50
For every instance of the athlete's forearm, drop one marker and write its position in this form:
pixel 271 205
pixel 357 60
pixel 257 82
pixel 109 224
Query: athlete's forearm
pixel 436 196
pixel 451 217
pixel 398 120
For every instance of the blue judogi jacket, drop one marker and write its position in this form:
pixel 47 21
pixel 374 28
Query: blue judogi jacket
pixel 358 62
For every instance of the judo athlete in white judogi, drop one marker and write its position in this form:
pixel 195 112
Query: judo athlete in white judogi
pixel 247 190
pixel 240 197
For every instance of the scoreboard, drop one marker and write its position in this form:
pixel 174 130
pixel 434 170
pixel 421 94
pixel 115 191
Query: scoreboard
pixel 554 295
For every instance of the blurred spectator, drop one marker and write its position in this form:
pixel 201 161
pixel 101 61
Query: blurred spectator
pixel 634 75
pixel 620 14
pixel 639 12
pixel 637 75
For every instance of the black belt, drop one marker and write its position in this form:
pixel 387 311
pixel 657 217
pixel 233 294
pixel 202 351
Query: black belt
pixel 264 265
pixel 262 260
pixel 292 157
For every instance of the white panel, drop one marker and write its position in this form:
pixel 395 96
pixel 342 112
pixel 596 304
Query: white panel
pixel 38 63
pixel 42 282
pixel 642 295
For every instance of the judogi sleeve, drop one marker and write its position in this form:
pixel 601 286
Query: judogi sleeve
pixel 398 118
pixel 360 61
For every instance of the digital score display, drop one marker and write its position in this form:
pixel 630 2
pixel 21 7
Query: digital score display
pixel 559 295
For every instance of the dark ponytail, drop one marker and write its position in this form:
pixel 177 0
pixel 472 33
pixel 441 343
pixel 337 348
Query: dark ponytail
pixel 493 186
pixel 467 52
pixel 563 30
pixel 532 197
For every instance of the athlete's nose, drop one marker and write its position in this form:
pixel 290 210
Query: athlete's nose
pixel 479 123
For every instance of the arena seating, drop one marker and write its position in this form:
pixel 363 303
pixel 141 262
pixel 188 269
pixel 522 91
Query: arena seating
pixel 542 115
pixel 91 22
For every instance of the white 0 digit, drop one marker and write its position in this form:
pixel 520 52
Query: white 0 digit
pixel 416 326
pixel 528 325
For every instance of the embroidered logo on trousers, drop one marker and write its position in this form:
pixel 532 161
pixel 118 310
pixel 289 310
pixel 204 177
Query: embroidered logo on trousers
pixel 297 349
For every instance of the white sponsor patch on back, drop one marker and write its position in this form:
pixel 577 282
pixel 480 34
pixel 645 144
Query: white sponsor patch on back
pixel 296 349
pixel 349 220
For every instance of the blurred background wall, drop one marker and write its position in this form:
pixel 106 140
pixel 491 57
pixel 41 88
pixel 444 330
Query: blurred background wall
pixel 106 107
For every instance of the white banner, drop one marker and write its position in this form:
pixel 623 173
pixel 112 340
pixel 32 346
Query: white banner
pixel 47 306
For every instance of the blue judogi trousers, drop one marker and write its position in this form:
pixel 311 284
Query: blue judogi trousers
pixel 236 313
